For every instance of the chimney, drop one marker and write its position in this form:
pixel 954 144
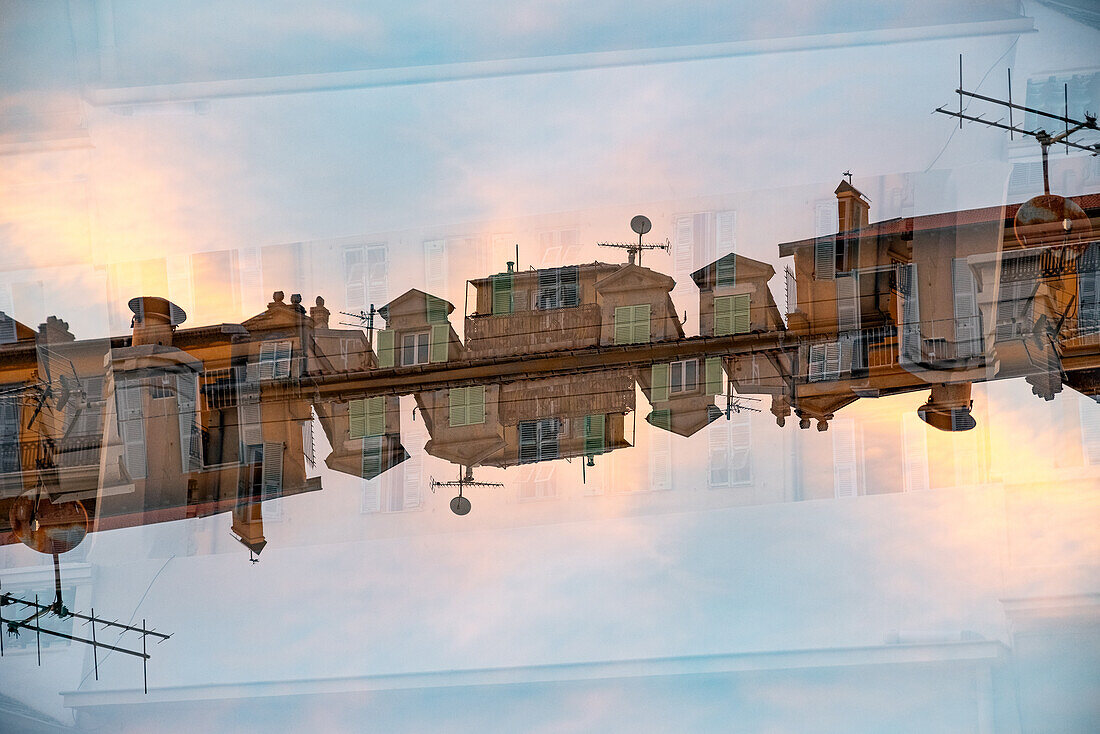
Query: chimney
pixel 853 209
pixel 155 319
pixel 55 331
pixel 319 314
pixel 511 266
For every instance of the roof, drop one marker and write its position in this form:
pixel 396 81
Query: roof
pixel 944 220
pixel 609 267
pixel 409 295
pixel 704 274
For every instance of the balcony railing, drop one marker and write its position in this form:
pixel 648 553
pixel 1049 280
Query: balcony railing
pixel 528 331
pixel 75 451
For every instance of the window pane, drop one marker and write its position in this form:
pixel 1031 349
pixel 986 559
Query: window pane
pixel 691 368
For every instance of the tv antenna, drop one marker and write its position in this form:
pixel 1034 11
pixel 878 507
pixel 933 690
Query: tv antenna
pixel 641 225
pixel 461 505
pixel 363 319
pixel 39 612
pixel 734 404
pixel 1071 126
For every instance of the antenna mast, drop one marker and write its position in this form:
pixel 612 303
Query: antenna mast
pixel 641 225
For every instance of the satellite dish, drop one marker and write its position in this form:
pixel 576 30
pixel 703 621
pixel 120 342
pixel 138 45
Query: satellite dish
pixel 641 224
pixel 460 506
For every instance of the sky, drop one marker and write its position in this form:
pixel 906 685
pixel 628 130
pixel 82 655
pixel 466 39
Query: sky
pixel 135 131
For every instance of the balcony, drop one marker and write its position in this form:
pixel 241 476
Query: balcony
pixel 533 331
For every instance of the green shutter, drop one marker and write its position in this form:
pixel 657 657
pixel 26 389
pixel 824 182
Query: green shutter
pixel 376 416
pixel 741 313
pixel 727 270
pixel 458 406
pixel 438 342
pixel 641 324
pixel 658 392
pixel 475 405
pixel 437 310
pixel 357 419
pixel 714 375
pixel 385 348
pixel 723 315
pixel 661 419
pixel 624 324
pixel 502 293
pixel 372 457
pixel 594 442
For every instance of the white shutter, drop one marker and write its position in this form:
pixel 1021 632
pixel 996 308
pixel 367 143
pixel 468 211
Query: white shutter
pixel 791 288
pixel 252 296
pixel 1088 295
pixel 845 458
pixel 909 310
pixel 832 360
pixel 816 367
pixel 267 360
pixel 683 245
pixel 740 443
pixel 187 390
pixel 967 330
pixel 251 419
pixel 718 441
pixel 412 483
pixel 133 437
pixel 725 225
pixel 282 360
pixel 435 266
pixel 7 318
pixel 847 301
pixel 272 471
pixel 660 462
pixel 825 258
pixel 1090 430
pixel 914 439
pixel 308 447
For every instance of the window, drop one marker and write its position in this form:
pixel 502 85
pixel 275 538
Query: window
pixel 502 293
pixel 595 440
pixel 9 428
pixel 683 376
pixel 365 275
pixel 367 417
pixel 824 362
pixel 731 314
pixel 538 440
pixel 414 348
pixel 1088 294
pixel 728 456
pixel 272 478
pixel 726 271
pixel 537 483
pixel 131 426
pixel 968 333
pixel 632 324
pixel 274 360
pixel 467 405
pixel 847 301
pixel 660 461
pixel 847 456
pixel 162 387
pixel 558 288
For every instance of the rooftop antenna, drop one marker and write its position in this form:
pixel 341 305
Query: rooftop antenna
pixel 641 225
pixel 1044 138
pixel 734 404
pixel 363 319
pixel 461 505
pixel 39 612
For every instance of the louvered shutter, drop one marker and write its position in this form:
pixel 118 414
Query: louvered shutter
pixel 967 324
pixel 376 416
pixel 832 360
pixel 594 434
pixel 357 419
pixel 475 405
pixel 1089 413
pixel 570 286
pixel 740 313
pixel 372 465
pixel 915 452
pixel 723 315
pixel 436 310
pixel 439 342
pixel 714 375
pixel 7 322
pixel 412 498
pixel 435 265
pixel 548 290
pixel 267 360
pixel 624 324
pixel 847 301
pixel 825 258
pixel 282 360
pixel 528 442
pixel 133 438
pixel 718 455
pixel 272 471
pixel 683 245
pixel 660 463
pixel 458 413
pixel 659 389
pixel 816 367
pixel 385 348
pixel 548 439
pixel 909 308
pixel 308 447
pixel 661 418
pixel 502 293
pixel 726 268
pixel 845 467
pixel 251 419
pixel 740 443
pixel 187 388
pixel 641 331
pixel 1088 296
pixel 725 224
